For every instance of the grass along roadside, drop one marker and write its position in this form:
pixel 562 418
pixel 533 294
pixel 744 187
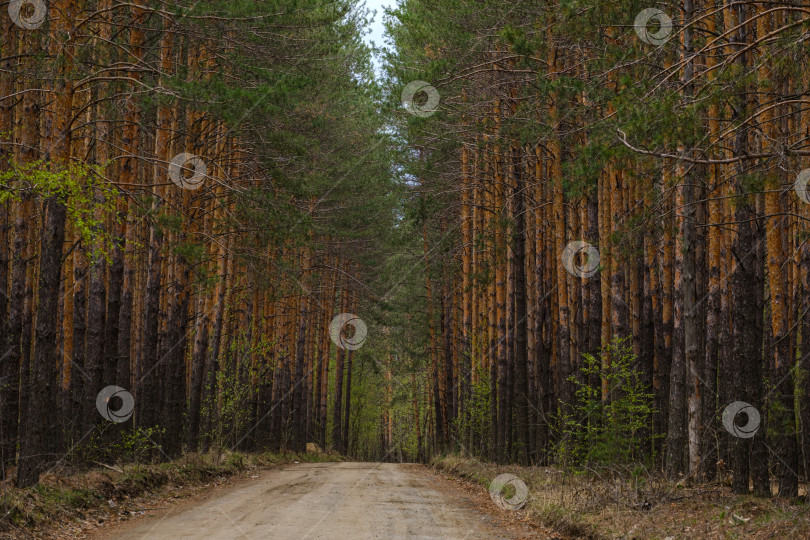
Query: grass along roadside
pixel 62 505
pixel 633 504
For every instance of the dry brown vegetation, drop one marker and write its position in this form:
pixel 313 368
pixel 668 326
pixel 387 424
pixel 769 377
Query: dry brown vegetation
pixel 610 503
pixel 65 505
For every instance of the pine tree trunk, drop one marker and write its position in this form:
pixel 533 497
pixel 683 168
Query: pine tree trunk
pixel 783 420
pixel 198 361
pixel 346 443
pixel 337 414
pixel 9 371
pixel 39 436
pixel 521 328
pixel 676 431
pixel 82 384
pixel 299 442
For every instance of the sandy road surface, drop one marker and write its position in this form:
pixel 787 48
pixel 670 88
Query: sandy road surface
pixel 321 500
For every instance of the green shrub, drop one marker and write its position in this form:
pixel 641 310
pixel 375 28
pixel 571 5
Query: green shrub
pixel 476 423
pixel 610 428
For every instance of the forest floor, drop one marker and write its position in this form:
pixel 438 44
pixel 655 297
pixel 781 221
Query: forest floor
pixel 72 504
pixel 632 504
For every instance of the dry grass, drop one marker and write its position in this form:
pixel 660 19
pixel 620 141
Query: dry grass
pixel 96 495
pixel 630 503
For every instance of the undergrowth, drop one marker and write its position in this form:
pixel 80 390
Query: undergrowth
pixel 70 496
pixel 628 501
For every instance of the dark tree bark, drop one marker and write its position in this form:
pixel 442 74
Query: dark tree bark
pixel 676 430
pixel 12 363
pixel 744 330
pixel 213 367
pixel 9 372
pixel 503 422
pixel 447 355
pixel 275 405
pixel 81 383
pixel 544 376
pixel 647 359
pixel 123 346
pixel 197 377
pixel 298 415
pixel 175 379
pixel 756 364
pixel 337 415
pixel 520 324
pixel 148 384
pixel 95 331
pixel 804 325
pixel 112 324
pixel 38 438
pixel 348 406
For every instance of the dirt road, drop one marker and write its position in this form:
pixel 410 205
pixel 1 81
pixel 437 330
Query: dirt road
pixel 322 501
